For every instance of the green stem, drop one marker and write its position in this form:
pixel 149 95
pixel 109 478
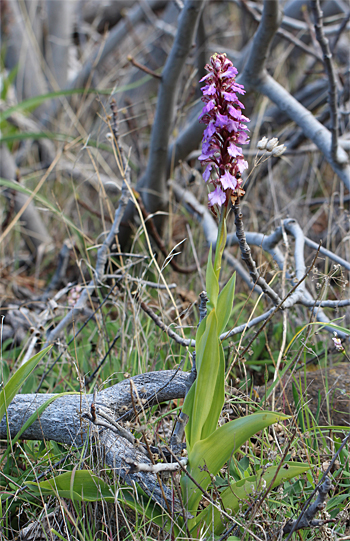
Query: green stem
pixel 221 241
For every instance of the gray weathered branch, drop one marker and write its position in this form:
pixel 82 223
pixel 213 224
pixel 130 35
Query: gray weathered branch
pixel 33 228
pixel 63 422
pixel 255 77
pixel 153 183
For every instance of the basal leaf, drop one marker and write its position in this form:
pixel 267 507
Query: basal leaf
pixel 225 303
pixel 15 383
pixel 238 493
pixel 84 485
pixel 216 450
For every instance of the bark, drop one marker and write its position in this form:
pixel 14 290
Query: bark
pixel 62 422
pixel 60 26
pixel 33 229
pixel 23 48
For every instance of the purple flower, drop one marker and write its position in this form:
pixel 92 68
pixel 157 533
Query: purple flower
pixel 230 72
pixel 206 174
pixel 217 197
pixel 242 138
pixel 223 121
pixel 235 113
pixel 228 182
pixel 233 150
pixel 207 108
pixel 209 90
pixel 205 77
pixel 209 130
pixel 242 165
pixel 205 156
pixel 222 113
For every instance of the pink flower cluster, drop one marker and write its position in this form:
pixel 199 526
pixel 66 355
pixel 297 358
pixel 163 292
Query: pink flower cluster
pixel 222 113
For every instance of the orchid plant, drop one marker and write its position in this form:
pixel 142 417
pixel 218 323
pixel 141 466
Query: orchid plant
pixel 208 446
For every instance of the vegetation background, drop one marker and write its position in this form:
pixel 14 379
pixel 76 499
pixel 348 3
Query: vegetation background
pixel 62 62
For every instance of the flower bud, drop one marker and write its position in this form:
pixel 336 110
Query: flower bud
pixel 278 151
pixel 272 144
pixel 262 143
pixel 337 342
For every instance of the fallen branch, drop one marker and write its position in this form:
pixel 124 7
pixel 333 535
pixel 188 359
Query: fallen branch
pixel 63 422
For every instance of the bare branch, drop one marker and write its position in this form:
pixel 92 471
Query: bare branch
pixel 306 518
pixel 255 77
pixel 33 228
pixel 247 256
pixel 62 422
pixel 332 84
pixel 153 183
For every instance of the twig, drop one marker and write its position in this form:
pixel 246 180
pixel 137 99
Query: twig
pixel 281 32
pixel 340 31
pixel 255 77
pixel 332 84
pixel 202 308
pixel 323 480
pixel 289 294
pixel 247 256
pixel 178 339
pixel 306 518
pixel 157 468
pixel 141 67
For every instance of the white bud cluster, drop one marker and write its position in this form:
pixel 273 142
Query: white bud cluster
pixel 271 146
pixel 337 342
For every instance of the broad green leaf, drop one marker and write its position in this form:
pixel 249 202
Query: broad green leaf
pixel 212 283
pixel 208 361
pixel 199 334
pixel 238 493
pixel 31 420
pixel 86 486
pixel 218 399
pixel 15 383
pixel 225 303
pixel 216 450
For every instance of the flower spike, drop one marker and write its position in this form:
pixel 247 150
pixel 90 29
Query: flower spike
pixel 225 131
